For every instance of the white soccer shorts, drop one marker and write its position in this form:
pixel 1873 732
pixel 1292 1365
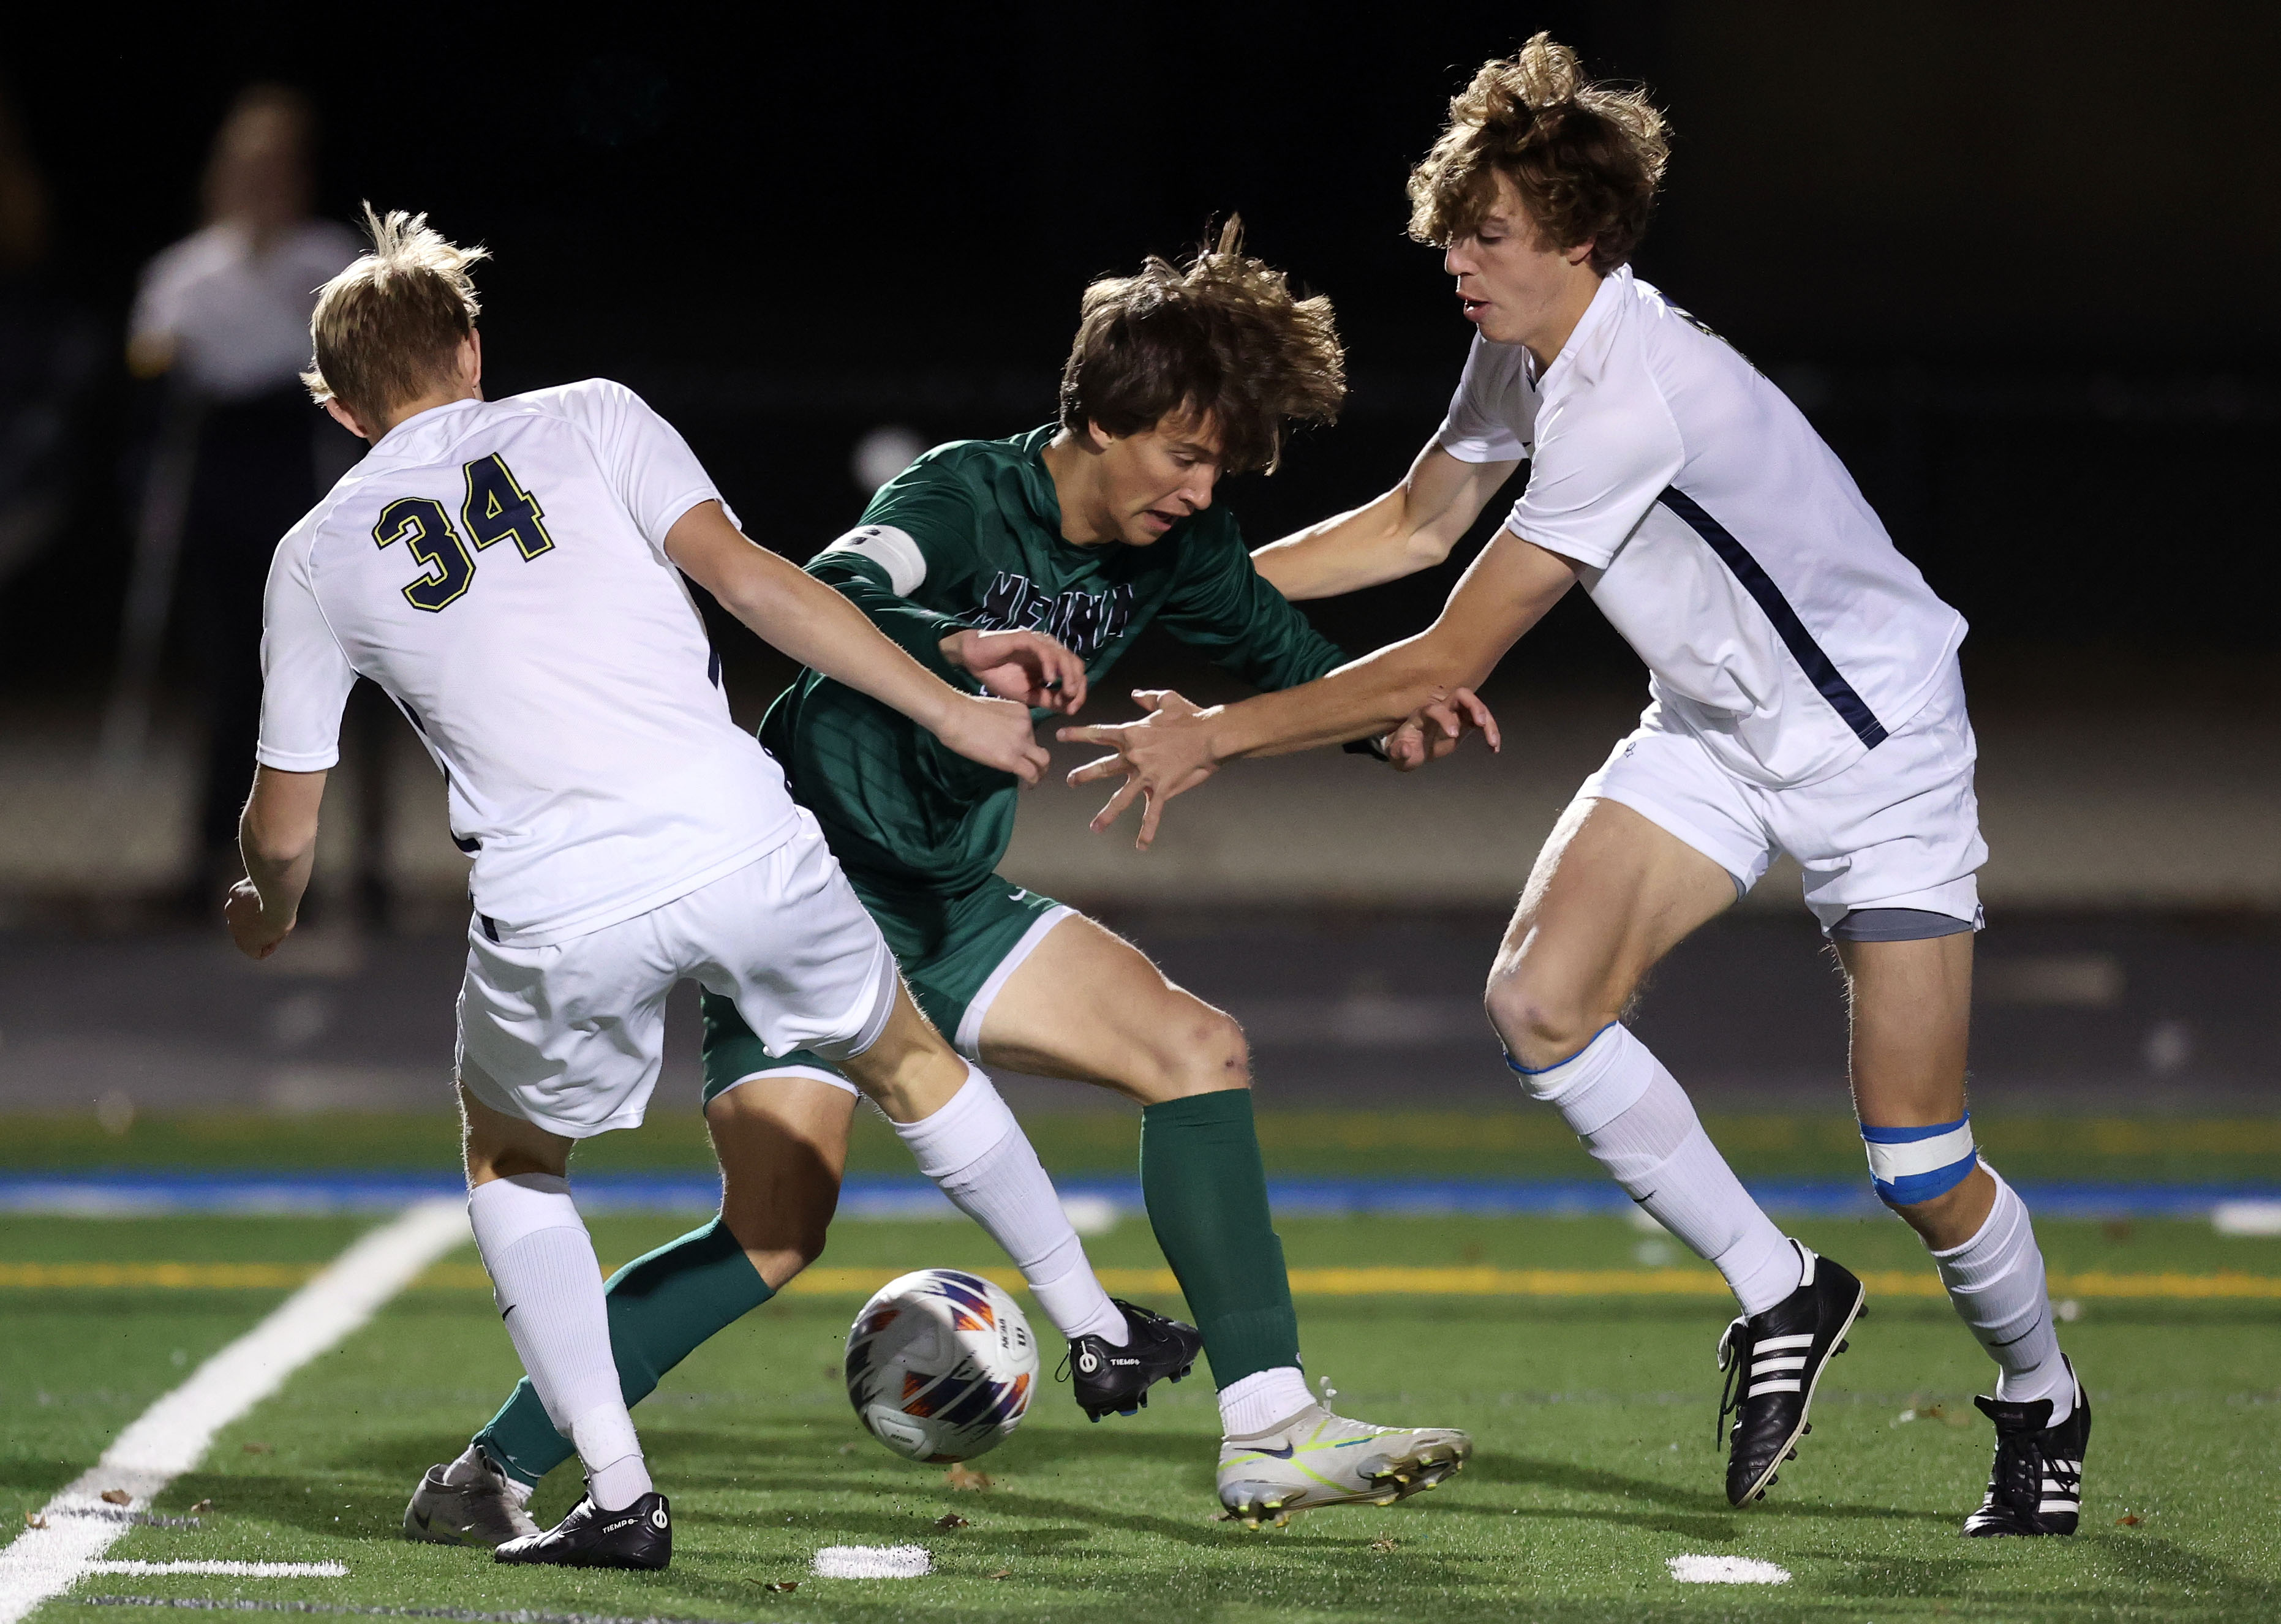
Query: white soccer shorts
pixel 569 1035
pixel 1901 828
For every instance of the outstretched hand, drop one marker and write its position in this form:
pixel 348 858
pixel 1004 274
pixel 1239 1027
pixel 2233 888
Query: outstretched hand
pixel 1027 667
pixel 1438 728
pixel 1166 753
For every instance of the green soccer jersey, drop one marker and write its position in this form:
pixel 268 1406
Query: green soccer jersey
pixel 969 535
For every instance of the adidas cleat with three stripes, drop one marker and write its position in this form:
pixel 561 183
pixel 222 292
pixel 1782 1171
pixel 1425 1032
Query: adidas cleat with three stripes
pixel 1774 1360
pixel 1316 1458
pixel 2036 1486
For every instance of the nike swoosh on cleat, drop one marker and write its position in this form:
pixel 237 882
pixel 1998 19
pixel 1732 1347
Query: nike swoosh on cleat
pixel 1282 1454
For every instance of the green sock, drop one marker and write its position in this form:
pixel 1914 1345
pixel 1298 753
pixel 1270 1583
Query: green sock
pixel 661 1306
pixel 1207 1195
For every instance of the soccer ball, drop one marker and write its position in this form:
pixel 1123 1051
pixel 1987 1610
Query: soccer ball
pixel 940 1365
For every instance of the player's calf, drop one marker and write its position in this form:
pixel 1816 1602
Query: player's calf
pixel 1979 1232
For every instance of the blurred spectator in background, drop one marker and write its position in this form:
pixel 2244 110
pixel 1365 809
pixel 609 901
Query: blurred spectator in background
pixel 223 316
pixel 49 356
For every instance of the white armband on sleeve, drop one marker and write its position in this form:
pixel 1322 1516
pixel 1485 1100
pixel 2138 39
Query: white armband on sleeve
pixel 892 550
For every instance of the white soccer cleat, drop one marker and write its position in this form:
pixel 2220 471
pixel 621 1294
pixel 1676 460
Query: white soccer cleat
pixel 1317 1458
pixel 458 1503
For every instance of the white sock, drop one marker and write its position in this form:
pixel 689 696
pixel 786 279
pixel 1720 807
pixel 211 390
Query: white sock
pixel 548 1285
pixel 1639 1124
pixel 977 1155
pixel 1996 1279
pixel 1249 1406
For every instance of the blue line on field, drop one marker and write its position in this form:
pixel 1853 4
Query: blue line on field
pixel 158 1191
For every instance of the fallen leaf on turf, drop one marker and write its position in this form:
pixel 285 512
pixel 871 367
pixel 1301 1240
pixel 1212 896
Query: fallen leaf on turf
pixel 258 1449
pixel 962 1476
pixel 847 1448
pixel 201 1508
pixel 36 1519
pixel 951 1519
pixel 1003 1573
pixel 2129 1520
pixel 1386 1544
pixel 116 1497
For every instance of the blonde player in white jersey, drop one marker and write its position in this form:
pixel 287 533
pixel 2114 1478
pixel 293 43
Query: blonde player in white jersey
pixel 1804 698
pixel 510 573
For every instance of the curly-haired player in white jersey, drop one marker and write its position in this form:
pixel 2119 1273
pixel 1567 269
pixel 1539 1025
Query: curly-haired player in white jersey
pixel 1804 699
pixel 510 573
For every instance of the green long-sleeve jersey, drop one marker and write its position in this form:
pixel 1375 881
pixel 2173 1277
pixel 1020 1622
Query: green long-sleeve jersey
pixel 969 535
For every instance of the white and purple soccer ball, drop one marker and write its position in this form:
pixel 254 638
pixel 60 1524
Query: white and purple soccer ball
pixel 941 1366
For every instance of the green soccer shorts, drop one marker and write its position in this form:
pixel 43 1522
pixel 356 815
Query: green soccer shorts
pixel 955 953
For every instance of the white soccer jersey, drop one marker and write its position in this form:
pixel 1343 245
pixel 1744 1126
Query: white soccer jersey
pixel 1716 532
pixel 500 569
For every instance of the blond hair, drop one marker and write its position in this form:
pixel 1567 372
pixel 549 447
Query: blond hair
pixel 385 329
pixel 1585 158
pixel 1223 336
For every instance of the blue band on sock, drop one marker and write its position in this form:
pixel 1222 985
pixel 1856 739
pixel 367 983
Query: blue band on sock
pixel 1556 1065
pixel 1909 1165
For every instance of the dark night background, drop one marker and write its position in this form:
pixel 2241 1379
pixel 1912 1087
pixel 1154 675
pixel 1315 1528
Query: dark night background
pixel 2017 261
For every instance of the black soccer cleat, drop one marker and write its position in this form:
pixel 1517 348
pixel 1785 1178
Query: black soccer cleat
pixel 1104 1378
pixel 1774 1360
pixel 640 1536
pixel 2036 1486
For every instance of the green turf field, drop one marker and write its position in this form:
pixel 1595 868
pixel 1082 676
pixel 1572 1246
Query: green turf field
pixel 1518 1144
pixel 1593 1419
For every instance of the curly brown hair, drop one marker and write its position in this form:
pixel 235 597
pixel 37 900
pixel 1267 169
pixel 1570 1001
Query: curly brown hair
pixel 1223 337
pixel 1586 158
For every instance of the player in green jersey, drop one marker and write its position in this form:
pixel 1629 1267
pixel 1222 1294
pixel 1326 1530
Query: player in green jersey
pixel 1087 529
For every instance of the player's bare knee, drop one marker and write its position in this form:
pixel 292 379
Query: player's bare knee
pixel 1205 1053
pixel 1539 1024
pixel 1930 1176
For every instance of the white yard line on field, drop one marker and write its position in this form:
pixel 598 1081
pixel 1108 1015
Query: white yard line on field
pixel 228 1570
pixel 168 1438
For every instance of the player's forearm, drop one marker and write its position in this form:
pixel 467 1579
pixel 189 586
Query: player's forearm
pixel 814 624
pixel 277 838
pixel 1505 591
pixel 1409 528
pixel 1363 700
pixel 1347 551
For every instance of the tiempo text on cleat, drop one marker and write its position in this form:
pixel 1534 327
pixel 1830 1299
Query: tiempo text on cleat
pixel 2036 1486
pixel 1317 1458
pixel 1774 1361
pixel 482 1513
pixel 1109 1380
pixel 639 1536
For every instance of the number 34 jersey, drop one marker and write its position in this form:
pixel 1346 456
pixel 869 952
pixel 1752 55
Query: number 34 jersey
pixel 498 568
